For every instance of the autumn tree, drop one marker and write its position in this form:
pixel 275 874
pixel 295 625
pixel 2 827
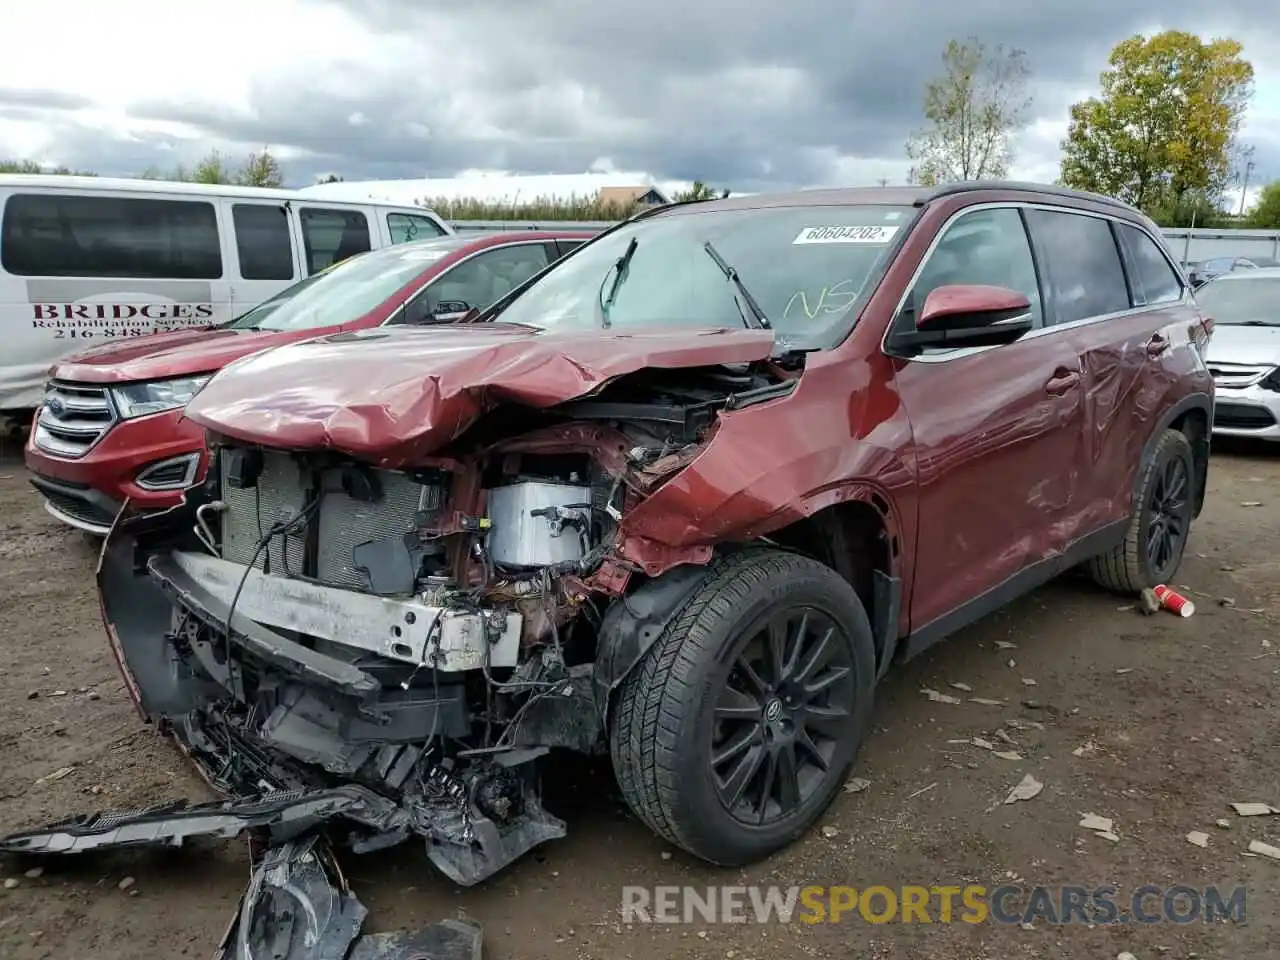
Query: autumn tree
pixel 973 108
pixel 1165 122
pixel 1266 213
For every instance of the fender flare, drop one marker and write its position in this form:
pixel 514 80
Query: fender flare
pixel 634 622
pixel 1193 401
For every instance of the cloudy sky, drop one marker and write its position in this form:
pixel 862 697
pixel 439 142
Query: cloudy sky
pixel 748 94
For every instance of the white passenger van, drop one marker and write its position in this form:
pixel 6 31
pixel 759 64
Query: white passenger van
pixel 90 260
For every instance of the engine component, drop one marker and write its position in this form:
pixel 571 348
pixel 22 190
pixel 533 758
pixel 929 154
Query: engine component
pixel 535 523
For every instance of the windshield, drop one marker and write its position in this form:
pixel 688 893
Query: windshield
pixel 1242 300
pixel 805 268
pixel 348 290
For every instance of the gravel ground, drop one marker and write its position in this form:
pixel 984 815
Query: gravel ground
pixel 1158 723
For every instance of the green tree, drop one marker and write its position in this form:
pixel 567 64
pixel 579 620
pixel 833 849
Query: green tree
pixel 973 108
pixel 1266 213
pixel 1165 123
pixel 1193 208
pixel 699 191
pixel 329 178
pixel 31 167
pixel 261 170
pixel 212 168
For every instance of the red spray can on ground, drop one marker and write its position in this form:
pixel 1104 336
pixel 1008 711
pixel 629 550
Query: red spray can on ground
pixel 1174 602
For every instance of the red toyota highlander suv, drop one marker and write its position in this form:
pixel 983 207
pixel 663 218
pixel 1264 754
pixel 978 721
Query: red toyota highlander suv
pixel 111 426
pixel 684 497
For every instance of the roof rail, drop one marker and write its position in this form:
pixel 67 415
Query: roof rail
pixel 1022 186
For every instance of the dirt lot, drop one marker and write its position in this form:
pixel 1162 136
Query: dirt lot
pixel 1177 718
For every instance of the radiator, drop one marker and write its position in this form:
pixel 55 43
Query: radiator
pixel 342 522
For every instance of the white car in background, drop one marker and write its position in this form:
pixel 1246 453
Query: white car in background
pixel 1244 353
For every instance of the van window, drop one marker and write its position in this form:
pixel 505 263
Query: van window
pixel 405 227
pixel 262 241
pixel 47 235
pixel 330 235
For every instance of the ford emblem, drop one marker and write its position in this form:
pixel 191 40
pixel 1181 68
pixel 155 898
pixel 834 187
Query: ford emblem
pixel 56 406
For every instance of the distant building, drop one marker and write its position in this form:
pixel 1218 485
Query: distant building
pixel 647 196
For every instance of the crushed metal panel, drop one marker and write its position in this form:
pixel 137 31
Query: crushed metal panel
pixel 447 940
pixel 284 816
pixel 297 907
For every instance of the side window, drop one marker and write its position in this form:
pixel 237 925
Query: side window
pixel 480 280
pixel 405 227
pixel 567 246
pixel 986 247
pixel 330 236
pixel 45 235
pixel 1083 275
pixel 263 245
pixel 1152 278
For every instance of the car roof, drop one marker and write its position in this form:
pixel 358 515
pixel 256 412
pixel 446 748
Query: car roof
pixel 907 196
pixel 1260 272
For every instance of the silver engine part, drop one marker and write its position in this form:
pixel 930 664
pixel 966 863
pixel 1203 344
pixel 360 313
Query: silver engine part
pixel 535 523
pixel 344 523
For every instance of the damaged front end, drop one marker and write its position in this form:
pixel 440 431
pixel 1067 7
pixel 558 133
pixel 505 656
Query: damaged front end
pixel 418 636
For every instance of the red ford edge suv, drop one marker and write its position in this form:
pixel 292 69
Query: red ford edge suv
pixel 111 426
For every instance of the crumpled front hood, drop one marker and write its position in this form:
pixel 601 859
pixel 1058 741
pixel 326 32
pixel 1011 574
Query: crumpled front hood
pixel 179 353
pixel 1236 343
pixel 395 394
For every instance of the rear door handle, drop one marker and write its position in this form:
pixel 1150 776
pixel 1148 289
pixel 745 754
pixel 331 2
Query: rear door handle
pixel 1063 380
pixel 1156 345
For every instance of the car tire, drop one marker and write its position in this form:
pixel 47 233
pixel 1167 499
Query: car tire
pixel 1132 566
pixel 692 697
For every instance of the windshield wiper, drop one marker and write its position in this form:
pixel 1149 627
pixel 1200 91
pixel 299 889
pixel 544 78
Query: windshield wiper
pixel 753 316
pixel 604 302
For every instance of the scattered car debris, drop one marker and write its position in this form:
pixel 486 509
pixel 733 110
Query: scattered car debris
pixel 1028 788
pixel 125 884
pixel 1265 849
pixel 1251 503
pixel 1017 723
pixel 1006 755
pixel 1012 663
pixel 962 687
pixel 1084 749
pixel 1028 682
pixel 1226 601
pixel 35 873
pixel 937 697
pixel 56 775
pixel 1253 809
pixel 922 790
pixel 1006 645
pixel 1126 955
pixel 986 701
pixel 1123 670
pixel 1001 735
pixel 1198 838
pixel 856 785
pixel 12 883
pixel 830 832
pixel 1091 821
pixel 982 744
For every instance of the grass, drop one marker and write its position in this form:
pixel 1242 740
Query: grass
pixel 537 208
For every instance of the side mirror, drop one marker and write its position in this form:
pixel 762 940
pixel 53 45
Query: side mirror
pixel 968 315
pixel 447 311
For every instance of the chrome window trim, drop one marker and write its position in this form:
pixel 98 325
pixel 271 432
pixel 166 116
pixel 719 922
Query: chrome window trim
pixel 957 353
pixel 192 461
pixel 440 276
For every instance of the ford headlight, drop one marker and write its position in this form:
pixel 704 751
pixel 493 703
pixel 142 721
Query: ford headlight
pixel 141 399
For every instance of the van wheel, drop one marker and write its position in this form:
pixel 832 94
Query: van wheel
pixel 738 727
pixel 1159 525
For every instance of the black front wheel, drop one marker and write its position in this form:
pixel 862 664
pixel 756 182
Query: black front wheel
pixel 737 729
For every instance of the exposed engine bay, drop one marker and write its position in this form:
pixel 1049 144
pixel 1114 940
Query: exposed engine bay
pixel 413 639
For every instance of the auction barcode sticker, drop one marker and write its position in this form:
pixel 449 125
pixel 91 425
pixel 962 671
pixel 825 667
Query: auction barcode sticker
pixel 873 234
